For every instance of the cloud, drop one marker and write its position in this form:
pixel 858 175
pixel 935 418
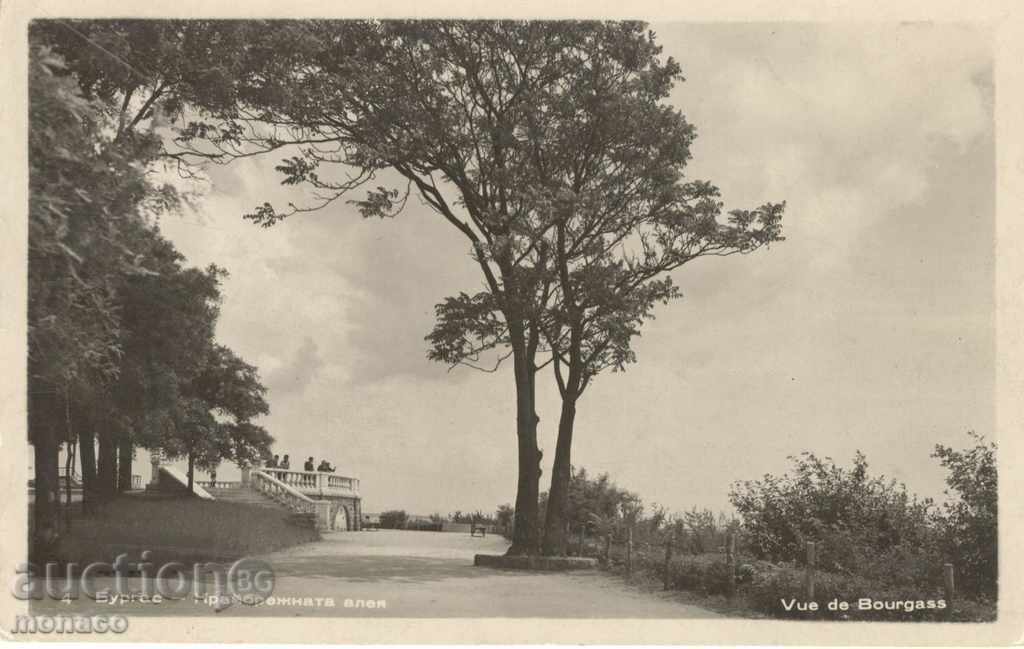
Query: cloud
pixel 301 370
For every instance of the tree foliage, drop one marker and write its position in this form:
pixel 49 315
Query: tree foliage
pixel 599 497
pixel 120 331
pixel 146 71
pixel 970 519
pixel 90 198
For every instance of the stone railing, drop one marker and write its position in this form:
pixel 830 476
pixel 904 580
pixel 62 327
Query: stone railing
pixel 290 497
pixel 302 480
pixel 316 483
pixel 282 492
pixel 341 482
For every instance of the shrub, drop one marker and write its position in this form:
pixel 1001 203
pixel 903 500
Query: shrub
pixel 874 527
pixel 769 590
pixel 853 514
pixel 707 573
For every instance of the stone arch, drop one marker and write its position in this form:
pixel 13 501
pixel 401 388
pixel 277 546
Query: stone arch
pixel 341 519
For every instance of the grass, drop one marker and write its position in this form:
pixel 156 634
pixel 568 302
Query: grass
pixel 179 529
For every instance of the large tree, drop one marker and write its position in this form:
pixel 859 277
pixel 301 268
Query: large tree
pixel 490 124
pixel 614 215
pixel 452 109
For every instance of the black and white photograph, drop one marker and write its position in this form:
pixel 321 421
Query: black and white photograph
pixel 335 321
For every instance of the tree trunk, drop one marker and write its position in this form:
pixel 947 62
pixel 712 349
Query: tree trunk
pixel 124 462
pixel 525 529
pixel 69 471
pixel 87 458
pixel 558 497
pixel 191 470
pixel 106 466
pixel 47 496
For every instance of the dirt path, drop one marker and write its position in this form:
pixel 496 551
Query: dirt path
pixel 428 574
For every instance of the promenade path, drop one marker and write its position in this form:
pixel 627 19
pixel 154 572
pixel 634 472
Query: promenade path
pixel 423 574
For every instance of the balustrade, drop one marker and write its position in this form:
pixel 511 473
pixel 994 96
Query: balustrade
pixel 315 482
pixel 289 488
pixel 283 492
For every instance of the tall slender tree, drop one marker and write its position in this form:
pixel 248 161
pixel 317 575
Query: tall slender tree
pixel 620 217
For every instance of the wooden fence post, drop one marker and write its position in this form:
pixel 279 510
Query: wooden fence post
pixel 812 559
pixel 668 558
pixel 730 560
pixel 949 586
pixel 629 551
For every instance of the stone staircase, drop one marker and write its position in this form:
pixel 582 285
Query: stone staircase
pixel 248 496
pixel 317 499
pixel 244 495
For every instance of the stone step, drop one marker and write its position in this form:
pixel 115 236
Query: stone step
pixel 246 496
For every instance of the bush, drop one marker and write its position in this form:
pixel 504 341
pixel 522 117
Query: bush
pixel 768 592
pixel 706 573
pixel 873 527
pixel 854 515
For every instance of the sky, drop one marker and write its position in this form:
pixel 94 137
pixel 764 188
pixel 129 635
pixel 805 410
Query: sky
pixel 870 327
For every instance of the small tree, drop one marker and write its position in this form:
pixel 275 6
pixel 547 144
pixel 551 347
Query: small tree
pixel 503 517
pixel 212 422
pixel 970 520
